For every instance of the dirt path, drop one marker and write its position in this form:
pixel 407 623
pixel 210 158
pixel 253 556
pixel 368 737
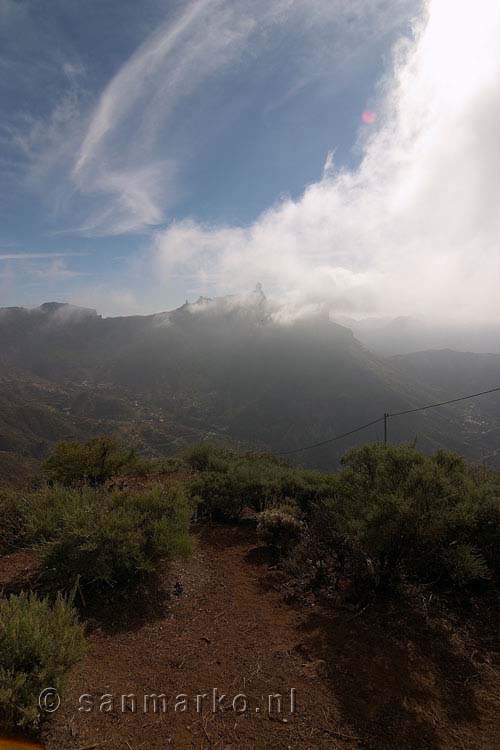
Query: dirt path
pixel 357 683
pixel 223 632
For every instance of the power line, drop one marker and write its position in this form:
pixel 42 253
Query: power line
pixel 330 440
pixel 383 419
pixel 443 403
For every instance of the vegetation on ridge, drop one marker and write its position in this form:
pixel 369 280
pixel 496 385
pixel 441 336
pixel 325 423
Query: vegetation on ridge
pixel 389 514
pixel 389 519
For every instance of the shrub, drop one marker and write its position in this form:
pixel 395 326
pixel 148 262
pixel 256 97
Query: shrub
pixel 399 514
pixel 224 495
pixel 280 528
pixel 49 510
pixel 465 565
pixel 201 457
pixel 229 481
pixel 38 645
pixel 487 523
pixel 37 516
pixel 117 542
pixel 307 488
pixel 12 528
pixel 93 462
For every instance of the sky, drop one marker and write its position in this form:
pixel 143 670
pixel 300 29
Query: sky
pixel 343 153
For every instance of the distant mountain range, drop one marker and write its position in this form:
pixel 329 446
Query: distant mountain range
pixel 404 335
pixel 225 369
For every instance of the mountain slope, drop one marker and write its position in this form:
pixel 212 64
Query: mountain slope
pixel 219 368
pixel 404 335
pixel 455 374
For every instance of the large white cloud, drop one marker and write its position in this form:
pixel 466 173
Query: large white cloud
pixel 414 228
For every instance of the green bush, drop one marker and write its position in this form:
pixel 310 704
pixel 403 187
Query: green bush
pixel 280 528
pixel 12 527
pixel 487 524
pixel 39 643
pixel 229 481
pixel 50 509
pixel 117 542
pixel 307 488
pixel 399 514
pixel 37 516
pixel 224 495
pixel 93 462
pixel 204 457
pixel 464 565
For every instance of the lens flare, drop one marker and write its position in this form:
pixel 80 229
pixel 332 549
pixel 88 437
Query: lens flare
pixel 369 118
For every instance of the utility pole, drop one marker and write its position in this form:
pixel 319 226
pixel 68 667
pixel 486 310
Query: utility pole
pixel 386 417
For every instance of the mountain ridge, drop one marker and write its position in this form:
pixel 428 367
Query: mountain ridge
pixel 226 369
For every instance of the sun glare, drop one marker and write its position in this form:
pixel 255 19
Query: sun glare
pixel 369 118
pixel 458 48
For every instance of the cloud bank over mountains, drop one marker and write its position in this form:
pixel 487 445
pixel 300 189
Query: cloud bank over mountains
pixel 415 228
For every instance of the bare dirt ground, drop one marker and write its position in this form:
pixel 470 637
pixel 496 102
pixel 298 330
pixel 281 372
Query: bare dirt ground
pixel 19 570
pixel 363 681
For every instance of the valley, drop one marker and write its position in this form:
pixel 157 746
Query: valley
pixel 219 370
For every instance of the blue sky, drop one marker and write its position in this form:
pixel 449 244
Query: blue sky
pixel 155 151
pixel 258 127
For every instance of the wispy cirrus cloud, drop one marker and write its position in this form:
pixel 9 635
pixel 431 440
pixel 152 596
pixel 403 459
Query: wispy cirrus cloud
pixel 117 157
pixel 28 270
pixel 39 140
pixel 57 270
pixel 126 157
pixel 32 256
pixel 10 11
